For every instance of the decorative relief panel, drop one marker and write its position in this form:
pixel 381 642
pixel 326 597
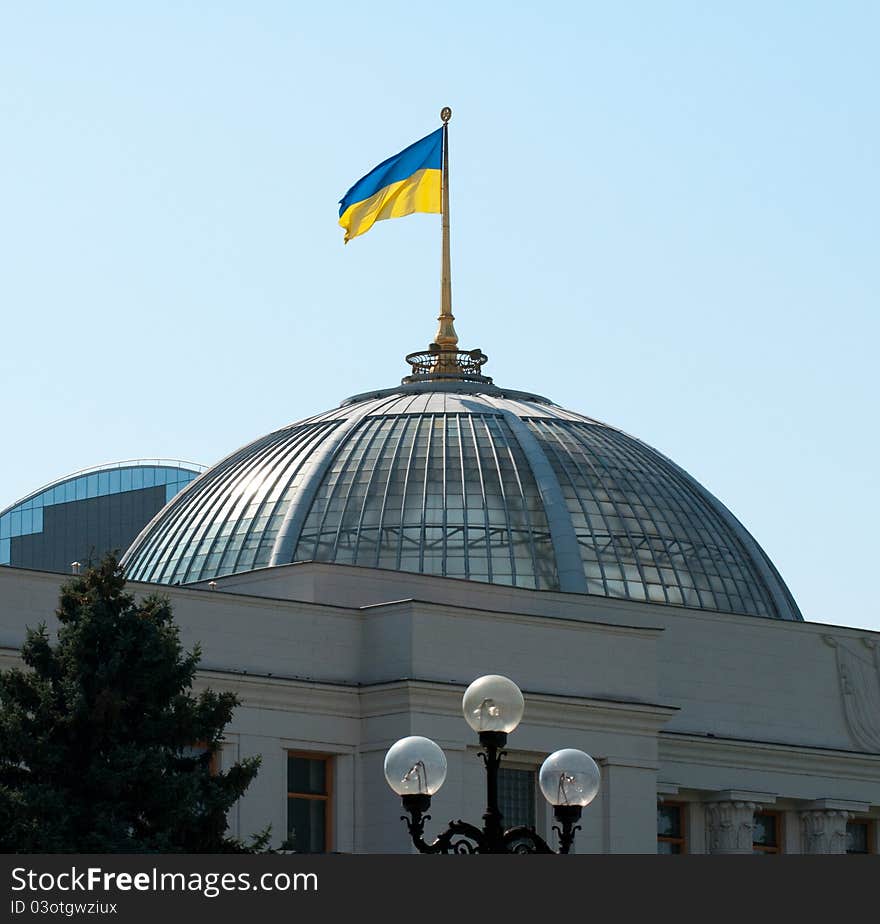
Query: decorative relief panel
pixel 858 668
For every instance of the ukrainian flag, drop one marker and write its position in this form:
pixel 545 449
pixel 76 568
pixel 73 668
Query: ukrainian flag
pixel 406 183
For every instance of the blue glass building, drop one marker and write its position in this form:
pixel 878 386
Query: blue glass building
pixel 83 515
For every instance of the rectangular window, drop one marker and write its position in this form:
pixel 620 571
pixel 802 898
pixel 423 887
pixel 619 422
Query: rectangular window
pixel 309 789
pixel 200 750
pixel 767 837
pixel 671 828
pixel 516 797
pixel 858 836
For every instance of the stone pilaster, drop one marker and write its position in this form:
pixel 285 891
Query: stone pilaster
pixel 730 826
pixel 629 801
pixel 824 830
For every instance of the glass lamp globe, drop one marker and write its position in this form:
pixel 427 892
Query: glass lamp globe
pixel 493 704
pixel 569 777
pixel 415 766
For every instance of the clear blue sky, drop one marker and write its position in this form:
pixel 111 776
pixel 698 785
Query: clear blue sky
pixel 663 215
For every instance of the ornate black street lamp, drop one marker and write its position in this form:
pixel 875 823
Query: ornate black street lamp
pixel 415 769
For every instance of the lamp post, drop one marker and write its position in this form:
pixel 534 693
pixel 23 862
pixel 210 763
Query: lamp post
pixel 415 768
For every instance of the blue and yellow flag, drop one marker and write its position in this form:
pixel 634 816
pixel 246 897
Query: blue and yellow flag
pixel 406 183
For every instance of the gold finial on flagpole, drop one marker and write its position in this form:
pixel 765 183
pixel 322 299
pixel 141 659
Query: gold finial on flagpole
pixel 446 337
pixel 443 359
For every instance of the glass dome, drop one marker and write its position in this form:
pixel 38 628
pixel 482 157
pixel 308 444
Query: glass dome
pixel 466 480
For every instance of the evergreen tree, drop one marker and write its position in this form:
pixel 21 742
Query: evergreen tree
pixel 103 746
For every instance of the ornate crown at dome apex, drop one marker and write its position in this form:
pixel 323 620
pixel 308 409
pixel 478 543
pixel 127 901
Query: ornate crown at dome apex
pixel 438 363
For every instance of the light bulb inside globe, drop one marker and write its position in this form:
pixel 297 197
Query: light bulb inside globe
pixel 415 766
pixel 493 704
pixel 569 777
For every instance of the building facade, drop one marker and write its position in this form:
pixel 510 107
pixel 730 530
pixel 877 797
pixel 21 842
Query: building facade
pixel 349 575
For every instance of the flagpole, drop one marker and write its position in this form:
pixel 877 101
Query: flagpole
pixel 446 337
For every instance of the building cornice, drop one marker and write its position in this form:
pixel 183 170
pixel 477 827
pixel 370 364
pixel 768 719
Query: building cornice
pixel 544 709
pixel 761 756
pixel 413 695
pixel 456 611
pixel 285 695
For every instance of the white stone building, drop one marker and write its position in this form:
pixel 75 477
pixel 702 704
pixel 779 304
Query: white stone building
pixel 349 575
